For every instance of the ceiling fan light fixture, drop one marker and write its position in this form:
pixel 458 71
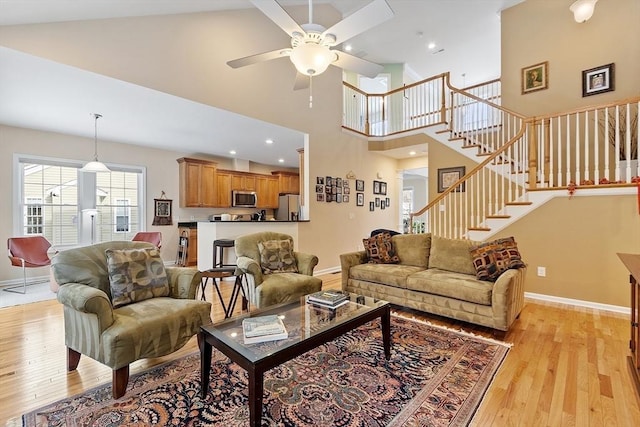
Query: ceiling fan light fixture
pixel 312 59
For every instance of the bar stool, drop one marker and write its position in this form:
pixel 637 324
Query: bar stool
pixel 219 273
pixel 218 252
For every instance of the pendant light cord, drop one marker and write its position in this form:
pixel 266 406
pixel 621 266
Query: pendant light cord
pixel 95 137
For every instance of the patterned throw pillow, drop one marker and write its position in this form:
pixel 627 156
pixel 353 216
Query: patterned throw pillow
pixel 136 275
pixel 380 249
pixel 491 259
pixel 276 256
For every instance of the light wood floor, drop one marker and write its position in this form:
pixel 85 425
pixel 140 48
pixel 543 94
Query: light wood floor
pixel 567 366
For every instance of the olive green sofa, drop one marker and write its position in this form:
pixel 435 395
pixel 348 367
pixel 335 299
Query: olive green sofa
pixel 116 337
pixel 436 275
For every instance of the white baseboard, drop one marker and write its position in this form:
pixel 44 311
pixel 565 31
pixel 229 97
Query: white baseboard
pixel 329 270
pixel 30 281
pixel 579 303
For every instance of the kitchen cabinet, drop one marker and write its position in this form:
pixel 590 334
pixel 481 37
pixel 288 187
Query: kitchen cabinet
pixel 223 193
pixel 288 182
pixel 245 182
pixel 267 191
pixel 197 183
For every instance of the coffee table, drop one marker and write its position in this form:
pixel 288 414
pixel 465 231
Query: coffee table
pixel 308 327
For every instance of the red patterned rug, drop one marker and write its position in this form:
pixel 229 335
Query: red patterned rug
pixel 436 377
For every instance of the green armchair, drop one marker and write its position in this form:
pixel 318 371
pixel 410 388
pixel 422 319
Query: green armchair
pixel 268 286
pixel 117 336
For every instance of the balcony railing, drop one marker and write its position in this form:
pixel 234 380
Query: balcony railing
pixel 516 154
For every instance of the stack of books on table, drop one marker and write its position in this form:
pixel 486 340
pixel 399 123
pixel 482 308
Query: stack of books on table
pixel 328 299
pixel 263 328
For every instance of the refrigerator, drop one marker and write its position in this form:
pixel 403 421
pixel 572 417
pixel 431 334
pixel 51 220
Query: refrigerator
pixel 288 207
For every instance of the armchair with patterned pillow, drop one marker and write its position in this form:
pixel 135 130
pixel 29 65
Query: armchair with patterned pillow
pixel 275 273
pixel 121 304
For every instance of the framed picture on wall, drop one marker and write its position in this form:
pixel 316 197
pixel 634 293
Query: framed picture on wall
pixel 372 206
pixel 598 80
pixel 359 185
pixel 383 188
pixel 162 212
pixel 535 77
pixel 376 187
pixel 359 199
pixel 448 176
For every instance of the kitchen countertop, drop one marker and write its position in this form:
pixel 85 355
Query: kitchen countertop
pixel 194 223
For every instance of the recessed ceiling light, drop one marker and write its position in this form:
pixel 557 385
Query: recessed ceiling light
pixel 269 141
pixel 412 153
pixel 348 47
pixel 281 160
pixel 232 152
pixel 431 45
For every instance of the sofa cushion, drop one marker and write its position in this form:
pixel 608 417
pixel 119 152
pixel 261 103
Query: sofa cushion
pixel 276 256
pixel 136 275
pixel 452 255
pixel 380 249
pixel 413 249
pixel 491 259
pixel 463 287
pixel 392 275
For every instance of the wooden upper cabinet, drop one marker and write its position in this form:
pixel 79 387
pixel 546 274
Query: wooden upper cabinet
pixel 288 182
pixel 197 183
pixel 223 196
pixel 244 182
pixel 267 191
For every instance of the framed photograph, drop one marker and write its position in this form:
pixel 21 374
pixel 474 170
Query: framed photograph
pixel 382 205
pixel 359 199
pixel 162 212
pixel 345 183
pixel 345 198
pixel 319 180
pixel 346 190
pixel 383 188
pixel 387 202
pixel 448 176
pixel 359 185
pixel 338 182
pixel 372 206
pixel 327 189
pixel 535 77
pixel 319 188
pixel 320 197
pixel 598 80
pixel 376 187
pixel 328 181
pixel 377 202
pixel 338 198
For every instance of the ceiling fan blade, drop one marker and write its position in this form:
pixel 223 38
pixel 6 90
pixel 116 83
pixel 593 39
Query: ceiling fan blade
pixel 278 15
pixel 260 57
pixel 302 81
pixel 358 65
pixel 373 14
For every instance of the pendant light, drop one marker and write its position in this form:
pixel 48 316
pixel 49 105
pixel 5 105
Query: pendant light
pixel 95 165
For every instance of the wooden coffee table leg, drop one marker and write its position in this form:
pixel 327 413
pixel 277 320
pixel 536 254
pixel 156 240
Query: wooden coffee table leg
pixel 385 321
pixel 256 388
pixel 205 364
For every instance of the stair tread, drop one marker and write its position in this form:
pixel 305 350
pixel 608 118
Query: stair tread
pixel 518 203
pixel 498 216
pixel 479 229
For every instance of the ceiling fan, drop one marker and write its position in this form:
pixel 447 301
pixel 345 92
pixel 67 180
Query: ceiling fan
pixel 311 44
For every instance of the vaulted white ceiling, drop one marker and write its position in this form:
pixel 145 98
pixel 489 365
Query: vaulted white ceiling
pixel 466 34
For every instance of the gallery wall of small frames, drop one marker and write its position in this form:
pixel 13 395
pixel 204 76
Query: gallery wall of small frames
pixel 334 189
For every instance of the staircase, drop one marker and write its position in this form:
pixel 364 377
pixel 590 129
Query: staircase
pixel 522 162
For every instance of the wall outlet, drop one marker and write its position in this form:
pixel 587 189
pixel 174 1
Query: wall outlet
pixel 542 272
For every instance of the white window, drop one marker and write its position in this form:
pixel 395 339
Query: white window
pixel 33 216
pixel 407 208
pixel 122 214
pixel 55 200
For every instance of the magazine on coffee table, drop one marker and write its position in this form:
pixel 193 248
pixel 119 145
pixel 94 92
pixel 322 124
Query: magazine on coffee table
pixel 263 328
pixel 327 298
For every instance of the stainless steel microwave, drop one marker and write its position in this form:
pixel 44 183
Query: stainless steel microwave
pixel 244 199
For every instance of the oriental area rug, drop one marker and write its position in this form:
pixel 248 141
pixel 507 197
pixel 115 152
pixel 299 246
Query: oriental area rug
pixel 435 377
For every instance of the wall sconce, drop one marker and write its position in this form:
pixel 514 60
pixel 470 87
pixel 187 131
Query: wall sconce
pixel 583 10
